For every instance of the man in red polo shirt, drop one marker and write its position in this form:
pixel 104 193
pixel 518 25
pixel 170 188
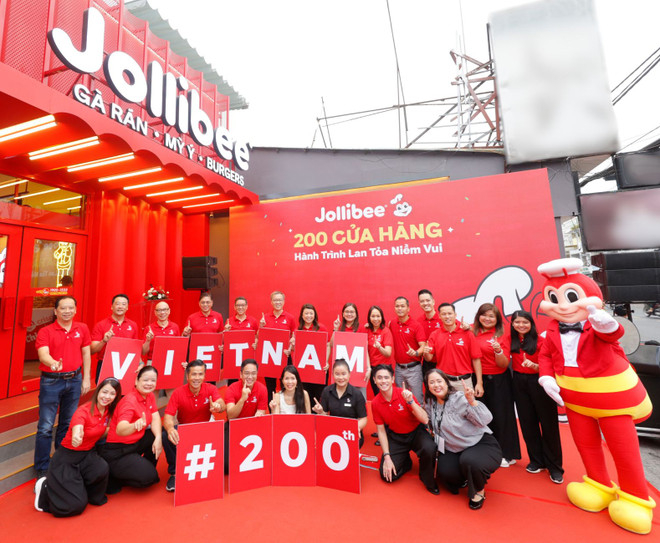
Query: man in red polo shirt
pixel 409 341
pixel 115 325
pixel 193 402
pixel 63 349
pixel 162 326
pixel 455 349
pixel 430 321
pixel 401 424
pixel 247 397
pixel 241 320
pixel 205 320
pixel 281 320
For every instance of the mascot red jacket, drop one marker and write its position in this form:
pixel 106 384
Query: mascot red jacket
pixel 582 366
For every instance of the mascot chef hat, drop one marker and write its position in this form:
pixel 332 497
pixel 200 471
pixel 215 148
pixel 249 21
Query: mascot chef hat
pixel 566 270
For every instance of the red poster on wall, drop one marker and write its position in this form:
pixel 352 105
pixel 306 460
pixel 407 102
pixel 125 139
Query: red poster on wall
pixel 338 453
pixel 294 458
pixel 469 241
pixel 237 346
pixel 309 355
pixel 168 356
pixel 200 462
pixel 206 347
pixel 250 453
pixel 352 347
pixel 270 351
pixel 121 360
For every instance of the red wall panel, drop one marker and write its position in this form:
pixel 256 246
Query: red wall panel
pixel 134 245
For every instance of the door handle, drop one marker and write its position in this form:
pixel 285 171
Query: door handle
pixel 27 312
pixel 8 309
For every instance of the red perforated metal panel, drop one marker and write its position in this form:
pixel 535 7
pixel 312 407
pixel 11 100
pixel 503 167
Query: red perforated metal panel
pixel 25 36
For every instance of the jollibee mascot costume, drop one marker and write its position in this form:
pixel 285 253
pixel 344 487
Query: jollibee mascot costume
pixel 583 367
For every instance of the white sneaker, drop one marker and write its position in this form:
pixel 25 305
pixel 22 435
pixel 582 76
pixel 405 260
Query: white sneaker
pixel 38 487
pixel 504 463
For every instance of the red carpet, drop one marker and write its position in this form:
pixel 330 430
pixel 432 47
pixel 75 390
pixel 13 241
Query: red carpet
pixel 519 507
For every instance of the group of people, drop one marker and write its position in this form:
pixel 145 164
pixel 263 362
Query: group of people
pixel 443 389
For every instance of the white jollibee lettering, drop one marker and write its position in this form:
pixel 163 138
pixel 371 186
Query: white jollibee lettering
pixel 160 90
pixel 349 212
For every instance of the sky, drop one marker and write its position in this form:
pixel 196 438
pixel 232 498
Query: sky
pixel 289 57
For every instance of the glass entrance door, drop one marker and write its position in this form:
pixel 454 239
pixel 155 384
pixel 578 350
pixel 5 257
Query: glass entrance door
pixel 40 266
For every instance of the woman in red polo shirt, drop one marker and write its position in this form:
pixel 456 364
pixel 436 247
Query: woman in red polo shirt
pixel 308 321
pixel 350 322
pixel 379 341
pixel 498 388
pixel 131 452
pixel 77 475
pixel 537 412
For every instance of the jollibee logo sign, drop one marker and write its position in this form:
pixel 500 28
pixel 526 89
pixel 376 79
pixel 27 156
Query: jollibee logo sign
pixel 158 90
pixel 351 212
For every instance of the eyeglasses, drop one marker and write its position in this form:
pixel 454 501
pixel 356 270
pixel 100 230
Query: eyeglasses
pixel 162 310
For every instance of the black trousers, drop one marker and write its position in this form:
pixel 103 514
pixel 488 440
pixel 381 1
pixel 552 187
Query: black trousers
pixel 537 413
pixel 169 449
pixel 421 443
pixel 374 388
pixel 131 465
pixel 498 397
pixel 474 465
pixel 75 478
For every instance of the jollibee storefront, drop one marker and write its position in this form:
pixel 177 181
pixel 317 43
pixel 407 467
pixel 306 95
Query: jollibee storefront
pixel 113 151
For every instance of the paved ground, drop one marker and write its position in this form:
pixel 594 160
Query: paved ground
pixel 650 447
pixel 649 329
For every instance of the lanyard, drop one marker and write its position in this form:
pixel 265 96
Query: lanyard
pixel 434 416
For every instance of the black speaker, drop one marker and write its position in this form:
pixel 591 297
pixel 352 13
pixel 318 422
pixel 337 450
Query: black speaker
pixel 632 276
pixel 631 294
pixel 614 278
pixel 627 261
pixel 637 169
pixel 199 272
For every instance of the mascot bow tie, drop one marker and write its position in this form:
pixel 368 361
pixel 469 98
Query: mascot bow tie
pixel 565 327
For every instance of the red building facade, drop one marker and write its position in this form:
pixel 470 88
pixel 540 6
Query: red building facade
pixel 100 192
